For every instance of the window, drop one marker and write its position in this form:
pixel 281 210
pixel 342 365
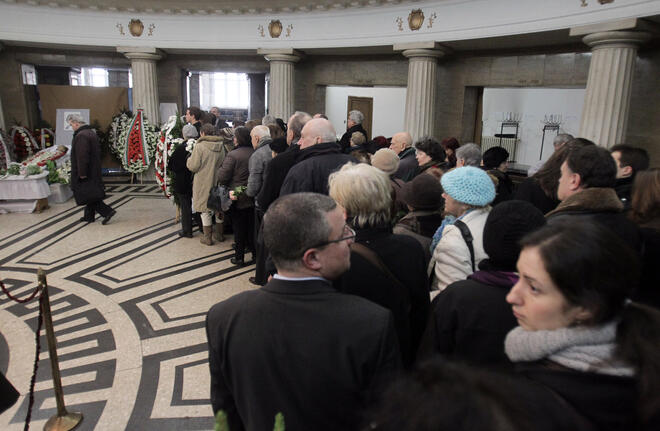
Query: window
pixel 224 90
pixel 29 74
pixel 90 77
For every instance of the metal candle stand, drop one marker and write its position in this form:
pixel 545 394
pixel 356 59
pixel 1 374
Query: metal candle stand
pixel 551 122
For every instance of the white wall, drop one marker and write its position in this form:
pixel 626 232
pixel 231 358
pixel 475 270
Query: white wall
pixel 388 107
pixel 533 104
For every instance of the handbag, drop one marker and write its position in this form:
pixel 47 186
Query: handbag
pixel 219 199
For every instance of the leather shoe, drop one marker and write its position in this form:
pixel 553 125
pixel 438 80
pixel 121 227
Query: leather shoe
pixel 253 280
pixel 238 262
pixel 183 234
pixel 86 220
pixel 107 218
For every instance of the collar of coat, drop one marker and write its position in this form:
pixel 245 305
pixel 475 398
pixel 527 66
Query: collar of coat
pixel 410 151
pixel 595 199
pixel 81 128
pixel 319 150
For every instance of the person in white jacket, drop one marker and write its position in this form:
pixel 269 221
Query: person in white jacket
pixel 468 191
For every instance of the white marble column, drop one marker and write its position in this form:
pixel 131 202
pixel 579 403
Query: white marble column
pixel 145 82
pixel 419 119
pixel 607 98
pixel 280 90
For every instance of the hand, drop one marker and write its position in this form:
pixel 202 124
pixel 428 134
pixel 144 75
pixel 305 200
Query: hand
pixel 83 178
pixel 232 195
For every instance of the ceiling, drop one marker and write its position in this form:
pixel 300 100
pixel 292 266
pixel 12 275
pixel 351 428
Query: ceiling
pixel 212 7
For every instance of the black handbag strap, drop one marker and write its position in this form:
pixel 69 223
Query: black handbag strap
pixel 467 236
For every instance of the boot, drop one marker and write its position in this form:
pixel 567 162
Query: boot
pixel 217 233
pixel 208 235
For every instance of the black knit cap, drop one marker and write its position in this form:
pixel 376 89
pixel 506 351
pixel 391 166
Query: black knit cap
pixel 424 192
pixel 507 223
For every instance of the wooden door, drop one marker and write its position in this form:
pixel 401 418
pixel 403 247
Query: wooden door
pixel 364 105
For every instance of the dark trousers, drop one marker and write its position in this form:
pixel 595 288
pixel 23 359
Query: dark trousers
pixel 243 220
pixel 185 204
pixel 261 277
pixel 96 207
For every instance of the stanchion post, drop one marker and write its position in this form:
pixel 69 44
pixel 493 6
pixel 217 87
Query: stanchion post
pixel 64 420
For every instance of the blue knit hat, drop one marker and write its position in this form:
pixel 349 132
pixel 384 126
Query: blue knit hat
pixel 469 185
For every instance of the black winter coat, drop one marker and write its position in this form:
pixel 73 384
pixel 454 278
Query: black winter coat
pixel 235 172
pixel 409 304
pixel 300 348
pixel 313 167
pixel 86 162
pixel 407 165
pixel 182 176
pixel 274 175
pixel 530 190
pixel 471 318
pixel 345 140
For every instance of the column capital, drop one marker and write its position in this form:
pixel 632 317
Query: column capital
pixel 422 49
pixel 613 39
pixel 281 54
pixel 141 53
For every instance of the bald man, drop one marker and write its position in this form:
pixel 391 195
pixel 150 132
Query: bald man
pixel 319 156
pixel 402 145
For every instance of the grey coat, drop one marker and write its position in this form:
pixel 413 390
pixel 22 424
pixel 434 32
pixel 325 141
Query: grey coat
pixel 257 164
pixel 205 161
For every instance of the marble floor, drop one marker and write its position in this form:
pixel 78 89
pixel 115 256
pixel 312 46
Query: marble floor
pixel 129 301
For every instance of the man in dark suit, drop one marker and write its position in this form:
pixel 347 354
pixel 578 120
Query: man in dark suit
pixel 297 346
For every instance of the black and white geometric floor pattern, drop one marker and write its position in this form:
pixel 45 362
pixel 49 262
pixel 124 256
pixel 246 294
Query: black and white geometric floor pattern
pixel 128 301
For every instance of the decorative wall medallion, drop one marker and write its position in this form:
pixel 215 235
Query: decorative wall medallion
pixel 260 29
pixel 399 23
pixel 121 29
pixel 431 19
pixel 152 27
pixel 584 3
pixel 416 19
pixel 135 27
pixel 289 28
pixel 275 28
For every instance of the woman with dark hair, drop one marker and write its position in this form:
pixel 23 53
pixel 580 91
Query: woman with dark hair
pixel 450 146
pixel 234 173
pixel 580 341
pixel 541 189
pixel 645 211
pixel 430 154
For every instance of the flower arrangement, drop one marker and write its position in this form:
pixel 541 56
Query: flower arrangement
pixel 60 175
pixel 19 169
pixel 42 157
pixel 170 138
pixel 136 144
pixel 24 143
pixel 45 136
pixel 5 155
pixel 119 123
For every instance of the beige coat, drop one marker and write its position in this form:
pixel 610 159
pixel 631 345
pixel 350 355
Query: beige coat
pixel 205 161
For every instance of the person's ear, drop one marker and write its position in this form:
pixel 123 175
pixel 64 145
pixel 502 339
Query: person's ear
pixel 582 315
pixel 576 181
pixel 626 171
pixel 311 260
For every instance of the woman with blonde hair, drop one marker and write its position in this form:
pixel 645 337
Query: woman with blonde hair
pixel 386 268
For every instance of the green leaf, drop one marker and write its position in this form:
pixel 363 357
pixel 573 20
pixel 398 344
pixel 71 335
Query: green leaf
pixel 221 423
pixel 279 422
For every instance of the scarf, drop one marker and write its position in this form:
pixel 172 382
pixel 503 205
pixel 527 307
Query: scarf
pixel 586 349
pixel 448 220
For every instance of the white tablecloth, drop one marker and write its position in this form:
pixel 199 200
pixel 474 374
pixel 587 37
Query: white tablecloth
pixel 19 187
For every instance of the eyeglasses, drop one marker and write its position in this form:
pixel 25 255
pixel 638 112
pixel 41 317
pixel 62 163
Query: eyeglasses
pixel 348 234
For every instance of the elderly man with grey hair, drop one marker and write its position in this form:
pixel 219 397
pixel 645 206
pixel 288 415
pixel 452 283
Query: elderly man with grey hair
pixel 319 156
pixel 339 349
pixel 268 120
pixel 353 124
pixel 86 177
pixel 468 155
pixel 557 143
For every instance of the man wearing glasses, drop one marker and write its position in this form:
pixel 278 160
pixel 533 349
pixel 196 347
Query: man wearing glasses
pixel 297 346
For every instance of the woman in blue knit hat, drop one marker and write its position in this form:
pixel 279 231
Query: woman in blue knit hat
pixel 457 246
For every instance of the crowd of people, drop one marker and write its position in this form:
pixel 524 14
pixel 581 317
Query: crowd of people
pixel 419 286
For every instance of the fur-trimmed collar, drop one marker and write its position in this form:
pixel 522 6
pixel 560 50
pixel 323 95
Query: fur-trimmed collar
pixel 595 199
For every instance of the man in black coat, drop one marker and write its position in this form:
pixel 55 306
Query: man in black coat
pixel 86 176
pixel 297 346
pixel 402 146
pixel 629 160
pixel 319 156
pixel 353 124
